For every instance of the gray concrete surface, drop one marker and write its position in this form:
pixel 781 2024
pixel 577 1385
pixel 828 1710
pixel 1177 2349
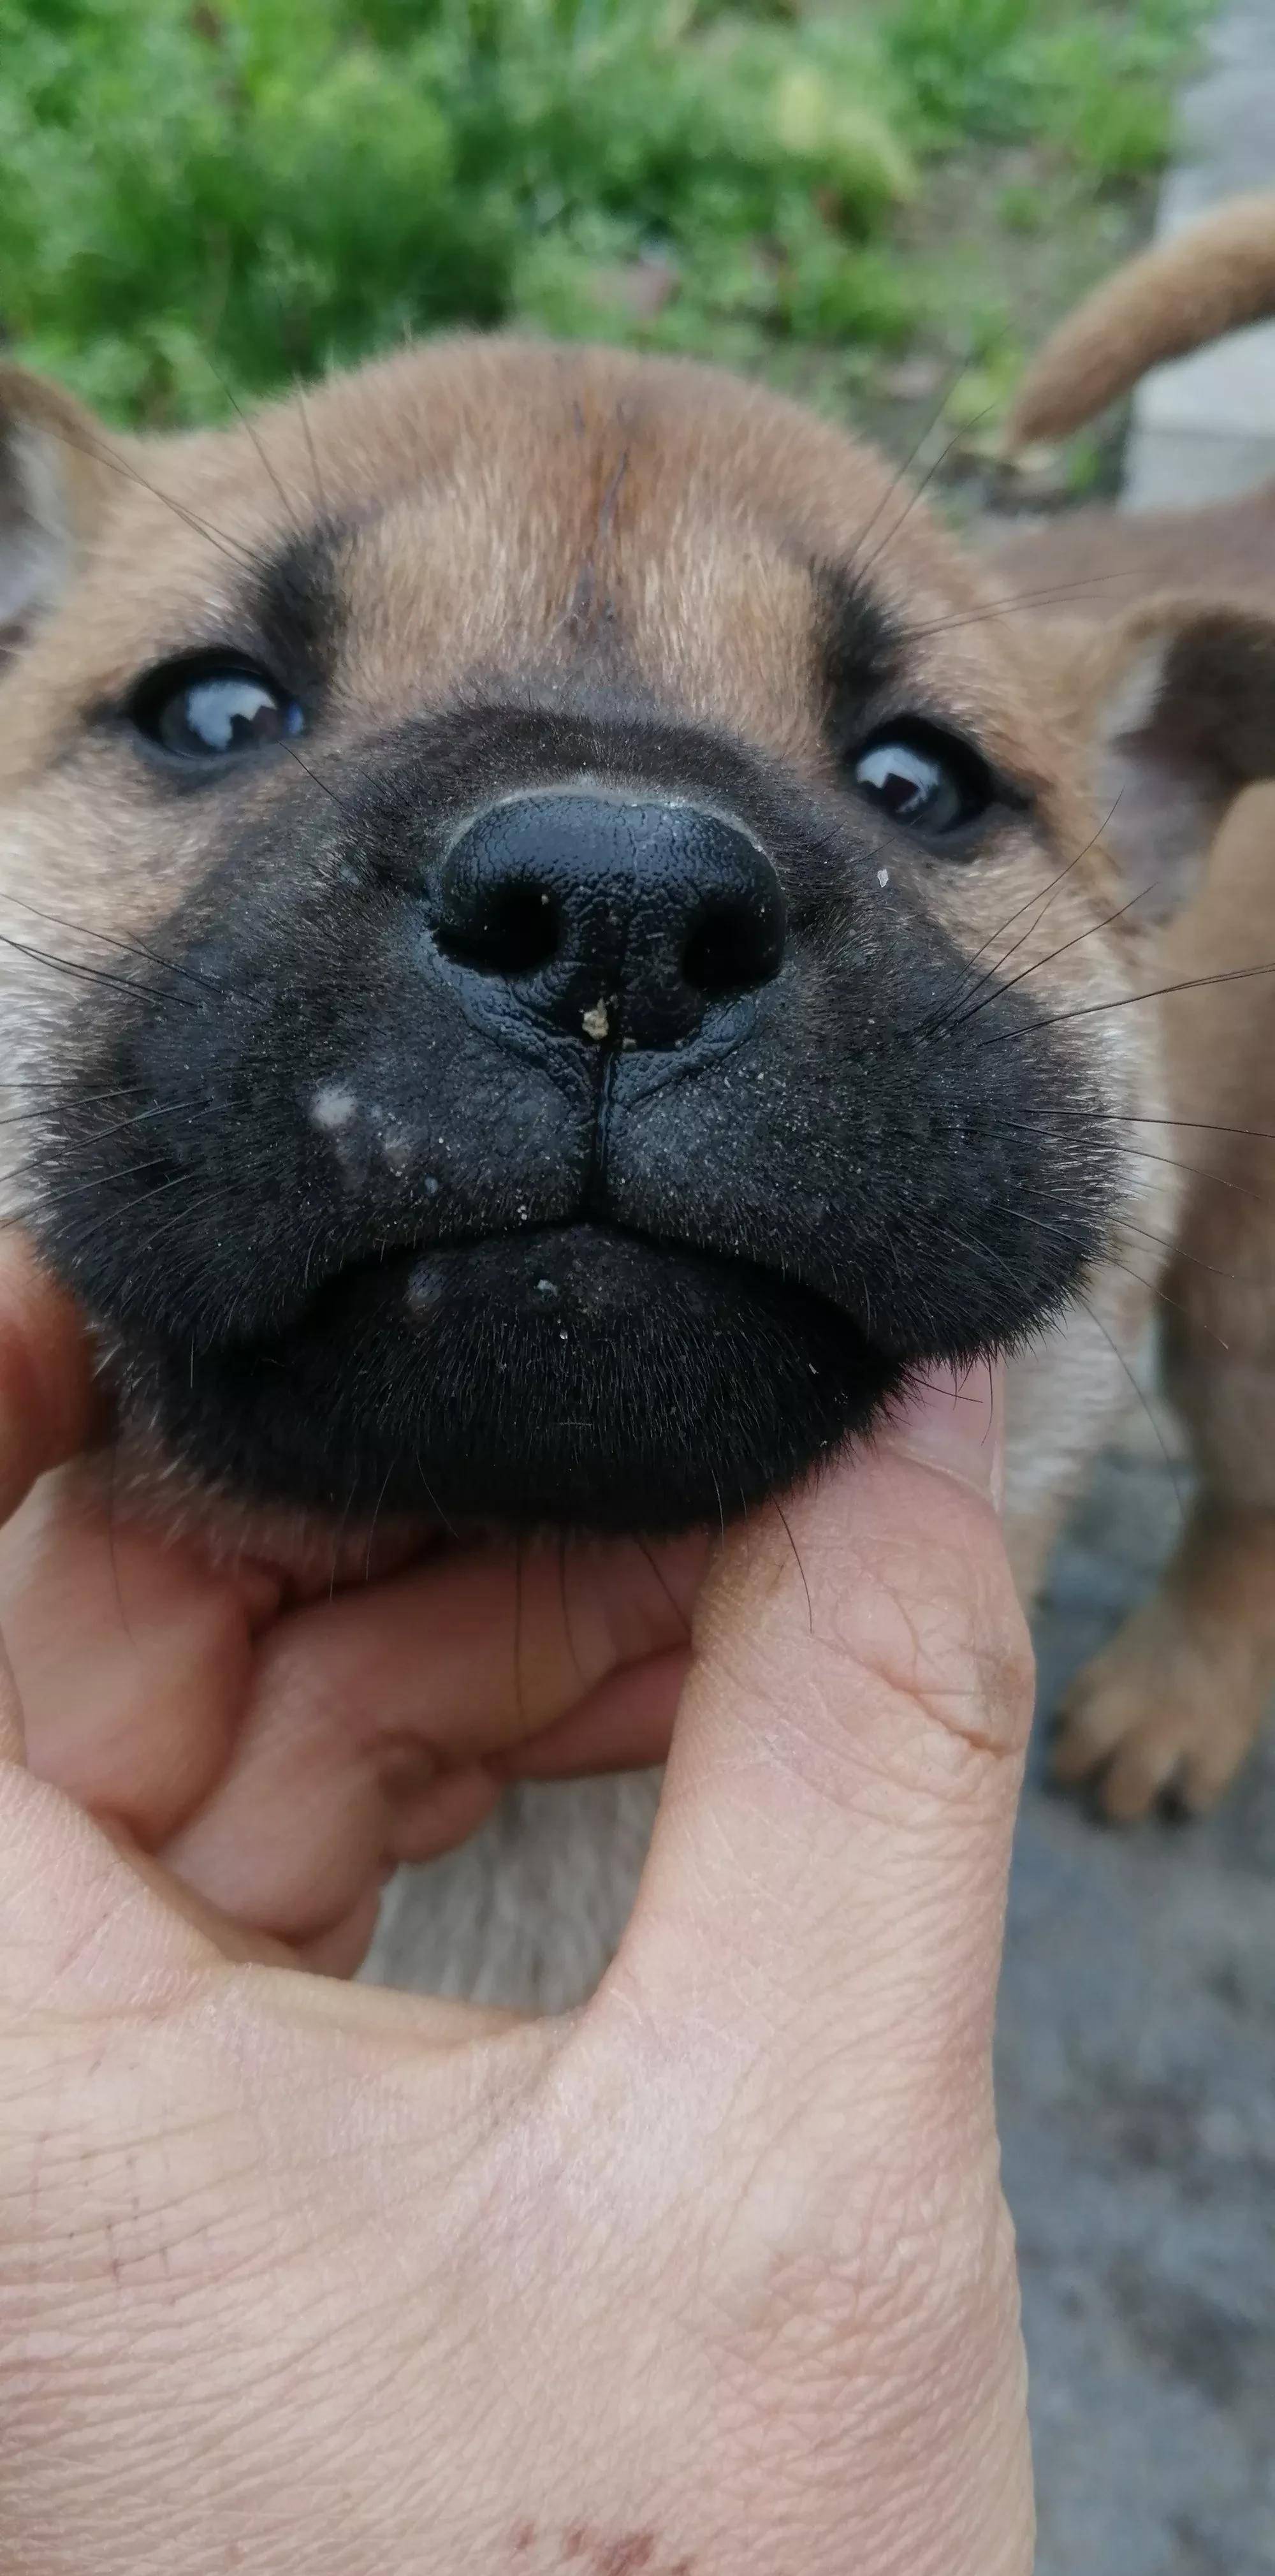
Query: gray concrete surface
pixel 1204 428
pixel 1136 2080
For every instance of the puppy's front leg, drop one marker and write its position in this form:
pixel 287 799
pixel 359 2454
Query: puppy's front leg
pixel 1176 1700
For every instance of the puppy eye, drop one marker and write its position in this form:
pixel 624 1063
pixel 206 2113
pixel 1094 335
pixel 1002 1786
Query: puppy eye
pixel 205 712
pixel 919 775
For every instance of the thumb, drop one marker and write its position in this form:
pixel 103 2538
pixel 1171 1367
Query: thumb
pixel 826 1883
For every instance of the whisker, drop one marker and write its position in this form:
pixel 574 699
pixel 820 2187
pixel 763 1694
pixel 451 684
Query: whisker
pixel 302 405
pixel 1201 1172
pixel 231 547
pixel 966 995
pixel 1114 1348
pixel 86 974
pixel 901 472
pixel 1200 1126
pixel 126 947
pixel 567 1629
pixel 112 1497
pixel 1018 599
pixel 432 1498
pixel 1061 951
pixel 916 494
pixel 1042 1225
pixel 796 1553
pixel 519 1694
pixel 44 1204
pixel 965 988
pixel 665 1586
pixel 122 1127
pixel 1168 1244
pixel 40 1108
pixel 308 433
pixel 929 1388
pixel 328 790
pixel 250 428
pixel 1196 1171
pixel 376 1514
pixel 1122 1001
pixel 339 1537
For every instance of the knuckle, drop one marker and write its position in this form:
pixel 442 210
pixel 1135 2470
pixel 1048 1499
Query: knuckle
pixel 956 1646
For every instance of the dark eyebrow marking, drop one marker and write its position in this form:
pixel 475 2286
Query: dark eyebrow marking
pixel 299 604
pixel 862 644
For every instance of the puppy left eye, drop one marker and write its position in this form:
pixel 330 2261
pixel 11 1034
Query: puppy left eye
pixel 208 710
pixel 919 775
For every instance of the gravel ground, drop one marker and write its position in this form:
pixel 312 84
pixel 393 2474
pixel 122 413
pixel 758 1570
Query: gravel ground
pixel 1137 2090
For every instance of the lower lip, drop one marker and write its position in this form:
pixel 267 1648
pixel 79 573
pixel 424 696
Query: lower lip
pixel 576 1377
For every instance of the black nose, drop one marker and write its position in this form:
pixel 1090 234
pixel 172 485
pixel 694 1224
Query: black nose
pixel 610 916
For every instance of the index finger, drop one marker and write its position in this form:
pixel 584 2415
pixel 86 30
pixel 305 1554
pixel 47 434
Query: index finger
pixel 822 1907
pixel 46 1397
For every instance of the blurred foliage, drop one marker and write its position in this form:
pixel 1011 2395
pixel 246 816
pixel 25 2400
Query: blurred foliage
pixel 1094 81
pixel 204 197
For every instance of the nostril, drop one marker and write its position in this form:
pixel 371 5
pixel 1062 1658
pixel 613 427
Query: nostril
pixel 510 928
pixel 733 944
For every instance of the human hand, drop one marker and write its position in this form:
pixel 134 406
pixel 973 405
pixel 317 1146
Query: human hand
pixel 712 2278
pixel 280 1754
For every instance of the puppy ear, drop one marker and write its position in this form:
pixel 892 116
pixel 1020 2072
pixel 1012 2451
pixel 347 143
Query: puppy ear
pixel 1178 701
pixel 54 486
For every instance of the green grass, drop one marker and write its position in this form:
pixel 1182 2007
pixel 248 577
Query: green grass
pixel 202 200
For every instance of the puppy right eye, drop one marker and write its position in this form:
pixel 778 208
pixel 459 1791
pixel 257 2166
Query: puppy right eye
pixel 206 710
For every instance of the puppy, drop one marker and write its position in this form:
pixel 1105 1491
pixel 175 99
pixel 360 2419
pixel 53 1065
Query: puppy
pixel 1182 1691
pixel 556 957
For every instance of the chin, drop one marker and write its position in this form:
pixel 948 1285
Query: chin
pixel 570 1378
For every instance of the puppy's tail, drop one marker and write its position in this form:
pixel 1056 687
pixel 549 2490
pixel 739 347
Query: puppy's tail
pixel 1212 278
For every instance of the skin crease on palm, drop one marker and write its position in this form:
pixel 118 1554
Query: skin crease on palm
pixel 711 2278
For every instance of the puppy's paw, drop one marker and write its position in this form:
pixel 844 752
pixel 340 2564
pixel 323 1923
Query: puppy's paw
pixel 1165 1710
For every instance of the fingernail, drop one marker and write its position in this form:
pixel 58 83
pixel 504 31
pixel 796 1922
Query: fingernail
pixel 957 1423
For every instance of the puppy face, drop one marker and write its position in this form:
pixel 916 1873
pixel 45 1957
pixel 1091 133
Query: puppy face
pixel 541 849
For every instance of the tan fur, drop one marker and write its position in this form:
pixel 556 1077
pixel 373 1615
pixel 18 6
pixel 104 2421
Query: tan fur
pixel 1209 279
pixel 510 506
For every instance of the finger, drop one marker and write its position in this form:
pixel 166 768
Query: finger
pixel 341 1951
pixel 472 1654
pixel 91 1926
pixel 181 1904
pixel 626 1724
pixel 132 1658
pixel 46 1391
pixel 371 1715
pixel 76 1921
pixel 46 1406
pixel 826 1882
